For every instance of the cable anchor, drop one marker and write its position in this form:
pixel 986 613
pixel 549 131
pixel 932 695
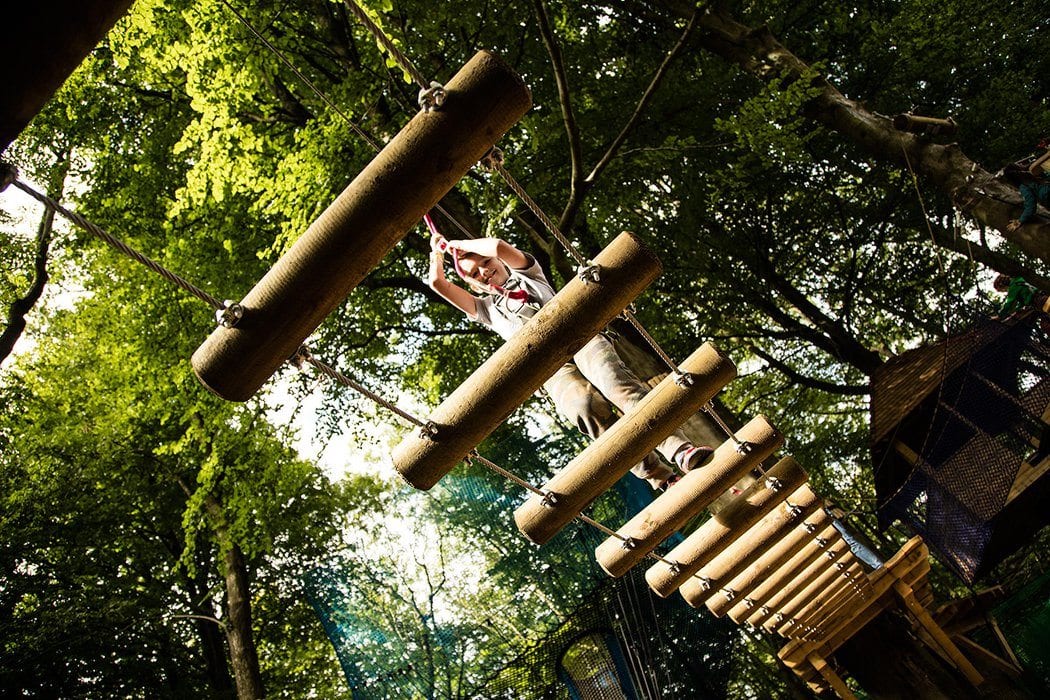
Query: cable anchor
pixel 433 97
pixel 589 273
pixel 429 430
pixel 492 160
pixel 684 379
pixel 300 357
pixel 774 484
pixel 549 499
pixel 230 314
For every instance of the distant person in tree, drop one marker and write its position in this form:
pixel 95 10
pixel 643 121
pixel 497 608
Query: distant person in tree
pixel 1032 177
pixel 510 288
pixel 1019 294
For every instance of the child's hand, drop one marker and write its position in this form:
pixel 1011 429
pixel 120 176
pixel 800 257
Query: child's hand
pixel 438 243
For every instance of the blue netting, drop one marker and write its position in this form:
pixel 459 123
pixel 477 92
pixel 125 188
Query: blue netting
pixel 656 647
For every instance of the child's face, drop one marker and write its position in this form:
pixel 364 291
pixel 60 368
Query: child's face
pixel 484 270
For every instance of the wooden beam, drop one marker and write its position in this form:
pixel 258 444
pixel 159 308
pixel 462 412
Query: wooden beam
pixel 718 533
pixel 941 640
pixel 637 433
pixel 531 356
pixel 820 665
pixel 693 492
pixel 408 177
pixel 782 554
pixel 742 553
pixel 44 41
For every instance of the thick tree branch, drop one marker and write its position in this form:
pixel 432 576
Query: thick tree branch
pixel 572 129
pixel 975 191
pixel 643 103
pixel 989 258
pixel 20 308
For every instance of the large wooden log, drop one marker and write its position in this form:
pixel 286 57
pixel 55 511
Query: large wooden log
pixel 408 177
pixel 626 443
pixel 718 533
pixel 693 492
pixel 44 41
pixel 530 357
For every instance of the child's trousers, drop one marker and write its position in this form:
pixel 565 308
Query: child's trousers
pixel 575 388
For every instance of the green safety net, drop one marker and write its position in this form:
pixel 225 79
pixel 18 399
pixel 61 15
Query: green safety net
pixel 1024 619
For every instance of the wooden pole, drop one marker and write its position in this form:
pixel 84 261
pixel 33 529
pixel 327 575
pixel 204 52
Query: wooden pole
pixel 927 126
pixel 625 444
pixel 44 41
pixel 408 177
pixel 711 538
pixel 514 372
pixel 781 555
pixel 693 492
pixel 751 546
pixel 775 579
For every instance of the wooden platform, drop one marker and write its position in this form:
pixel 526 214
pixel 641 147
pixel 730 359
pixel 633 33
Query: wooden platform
pixel 900 583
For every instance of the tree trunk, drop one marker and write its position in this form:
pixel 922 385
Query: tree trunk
pixel 243 655
pixel 20 308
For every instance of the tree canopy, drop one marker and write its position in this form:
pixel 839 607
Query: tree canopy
pixel 151 532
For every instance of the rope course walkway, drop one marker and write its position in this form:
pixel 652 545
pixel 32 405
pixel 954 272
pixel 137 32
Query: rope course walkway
pixel 759 554
pixel 302 357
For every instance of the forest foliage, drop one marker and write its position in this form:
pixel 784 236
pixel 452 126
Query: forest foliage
pixel 810 256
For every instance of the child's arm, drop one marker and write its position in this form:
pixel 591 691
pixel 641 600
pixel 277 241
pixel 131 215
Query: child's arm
pixel 453 293
pixel 1036 168
pixel 493 248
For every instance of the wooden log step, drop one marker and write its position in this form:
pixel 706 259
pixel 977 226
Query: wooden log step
pixel 407 178
pixel 737 591
pixel 755 542
pixel 809 554
pixel 693 492
pixel 529 358
pixel 637 433
pixel 718 533
pixel 824 563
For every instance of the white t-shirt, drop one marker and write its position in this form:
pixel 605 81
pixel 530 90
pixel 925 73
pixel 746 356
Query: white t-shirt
pixel 506 316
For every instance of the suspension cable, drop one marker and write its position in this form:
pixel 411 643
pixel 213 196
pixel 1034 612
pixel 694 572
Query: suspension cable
pixel 387 43
pixel 115 243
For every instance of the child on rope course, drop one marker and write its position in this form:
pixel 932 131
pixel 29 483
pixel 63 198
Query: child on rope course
pixel 1033 182
pixel 511 288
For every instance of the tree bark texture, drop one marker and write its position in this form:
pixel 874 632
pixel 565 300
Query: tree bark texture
pixel 243 656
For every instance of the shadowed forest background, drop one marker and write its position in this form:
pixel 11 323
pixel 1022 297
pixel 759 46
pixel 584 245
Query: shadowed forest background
pixel 749 145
